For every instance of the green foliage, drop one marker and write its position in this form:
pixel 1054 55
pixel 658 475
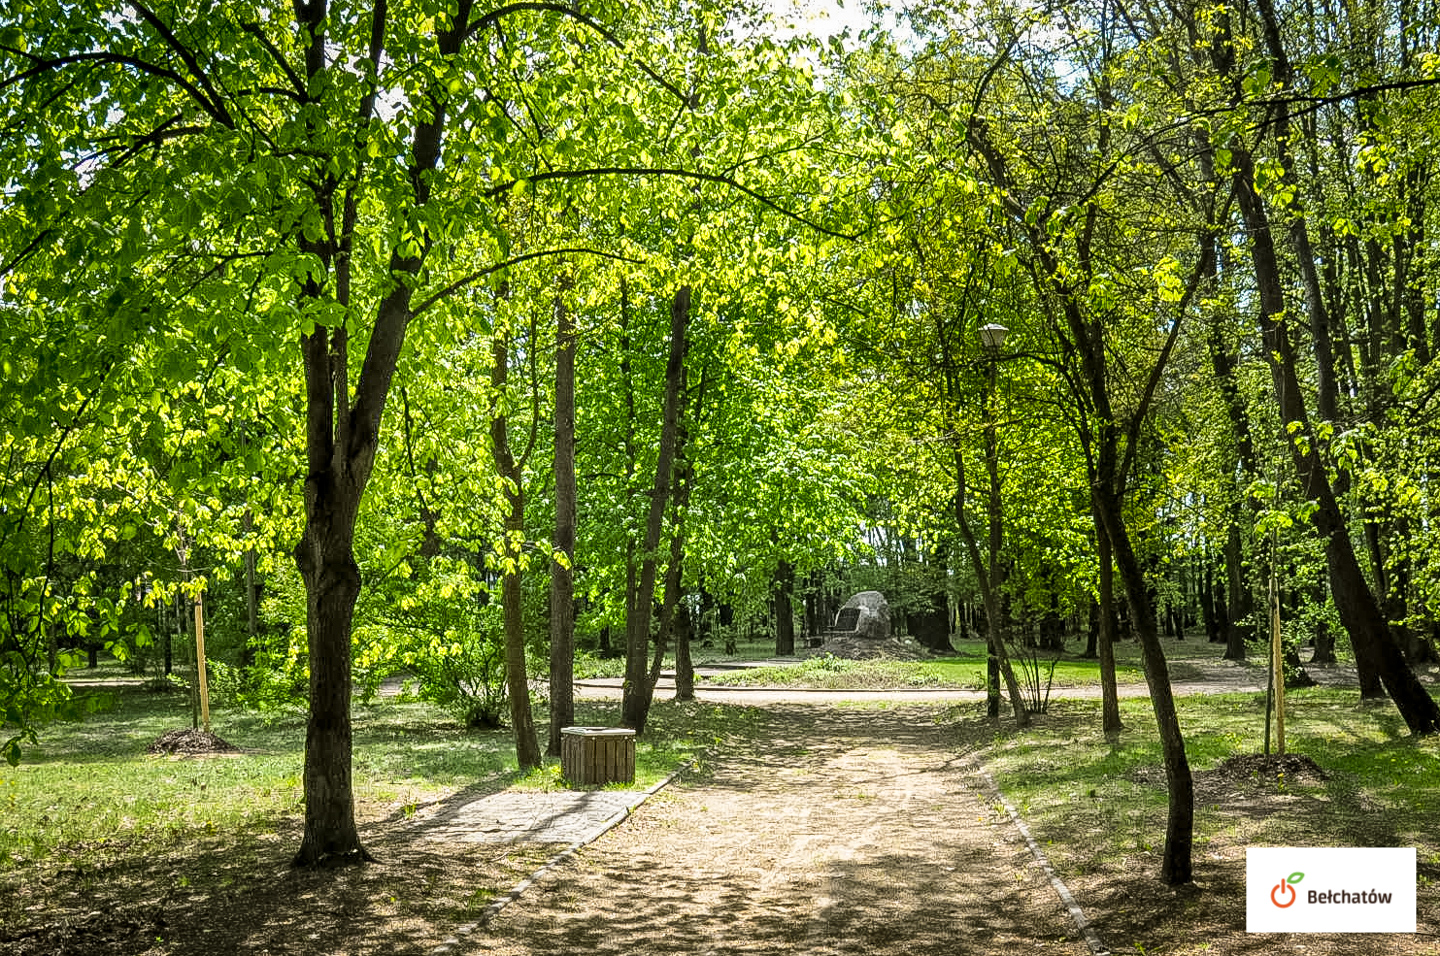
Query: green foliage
pixel 435 623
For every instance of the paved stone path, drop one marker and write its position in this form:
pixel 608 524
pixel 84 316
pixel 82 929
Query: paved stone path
pixel 519 816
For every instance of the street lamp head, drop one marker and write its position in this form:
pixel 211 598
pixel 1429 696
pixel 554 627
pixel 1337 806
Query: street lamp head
pixel 992 336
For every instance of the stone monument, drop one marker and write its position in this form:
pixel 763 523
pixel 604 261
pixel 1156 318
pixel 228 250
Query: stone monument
pixel 866 615
pixel 862 630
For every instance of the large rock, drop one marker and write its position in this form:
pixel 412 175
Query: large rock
pixel 865 616
pixel 862 631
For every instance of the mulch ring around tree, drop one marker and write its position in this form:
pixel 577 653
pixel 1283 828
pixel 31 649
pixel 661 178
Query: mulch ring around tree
pixel 1248 768
pixel 191 742
pixel 1243 773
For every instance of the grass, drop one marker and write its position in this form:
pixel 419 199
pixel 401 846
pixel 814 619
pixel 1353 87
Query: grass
pixel 106 850
pixel 90 782
pixel 1102 803
pixel 89 811
pixel 964 671
pixel 1099 810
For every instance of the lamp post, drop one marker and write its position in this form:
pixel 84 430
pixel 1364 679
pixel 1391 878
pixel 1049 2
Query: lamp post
pixel 992 337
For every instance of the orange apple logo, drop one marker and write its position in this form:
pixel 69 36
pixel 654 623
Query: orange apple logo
pixel 1285 888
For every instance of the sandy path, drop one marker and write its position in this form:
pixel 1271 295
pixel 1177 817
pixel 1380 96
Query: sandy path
pixel 854 831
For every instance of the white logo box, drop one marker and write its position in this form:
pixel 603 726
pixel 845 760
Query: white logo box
pixel 1330 890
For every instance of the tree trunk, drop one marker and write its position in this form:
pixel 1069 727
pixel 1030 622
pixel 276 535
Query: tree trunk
pixel 252 596
pixel 1176 863
pixel 635 705
pixel 341 439
pixel 931 624
pixel 562 562
pixel 1376 651
pixel 327 565
pixel 784 609
pixel 517 683
pixel 1240 602
pixel 1214 634
pixel 998 660
pixel 674 569
pixel 684 666
pixel 1110 723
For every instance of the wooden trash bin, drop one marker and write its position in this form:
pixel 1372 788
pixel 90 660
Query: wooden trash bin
pixel 597 755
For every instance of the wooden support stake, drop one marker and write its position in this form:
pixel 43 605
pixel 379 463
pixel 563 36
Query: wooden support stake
pixel 1277 668
pixel 200 660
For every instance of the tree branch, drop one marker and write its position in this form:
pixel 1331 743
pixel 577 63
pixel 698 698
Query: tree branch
pixel 680 174
pixel 254 30
pixel 495 16
pixel 479 274
pixel 213 105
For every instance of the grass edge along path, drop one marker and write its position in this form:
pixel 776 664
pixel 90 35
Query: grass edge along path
pixel 1099 811
pixel 1077 914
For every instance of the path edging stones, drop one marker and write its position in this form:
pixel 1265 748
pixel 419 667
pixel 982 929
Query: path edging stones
pixel 1087 932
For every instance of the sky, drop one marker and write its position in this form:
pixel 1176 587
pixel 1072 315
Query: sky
pixel 823 18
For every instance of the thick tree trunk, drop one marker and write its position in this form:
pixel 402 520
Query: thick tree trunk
pixel 327 565
pixel 635 705
pixel 562 543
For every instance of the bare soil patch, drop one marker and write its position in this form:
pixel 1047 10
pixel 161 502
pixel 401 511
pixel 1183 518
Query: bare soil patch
pixel 191 741
pixel 1270 768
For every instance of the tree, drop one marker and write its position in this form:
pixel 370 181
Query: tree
pixel 1375 646
pixel 326 187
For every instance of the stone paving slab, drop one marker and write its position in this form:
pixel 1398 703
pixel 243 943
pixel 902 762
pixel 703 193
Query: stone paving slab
pixel 531 816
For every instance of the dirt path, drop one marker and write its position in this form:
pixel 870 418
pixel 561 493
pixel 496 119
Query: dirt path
pixel 854 831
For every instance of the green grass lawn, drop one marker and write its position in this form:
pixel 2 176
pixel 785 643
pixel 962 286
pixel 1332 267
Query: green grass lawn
pixel 89 802
pixel 1383 786
pixel 92 781
pixel 965 670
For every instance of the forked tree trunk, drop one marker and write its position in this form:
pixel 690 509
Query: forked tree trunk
pixel 517 684
pixel 635 704
pixel 562 580
pixel 341 438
